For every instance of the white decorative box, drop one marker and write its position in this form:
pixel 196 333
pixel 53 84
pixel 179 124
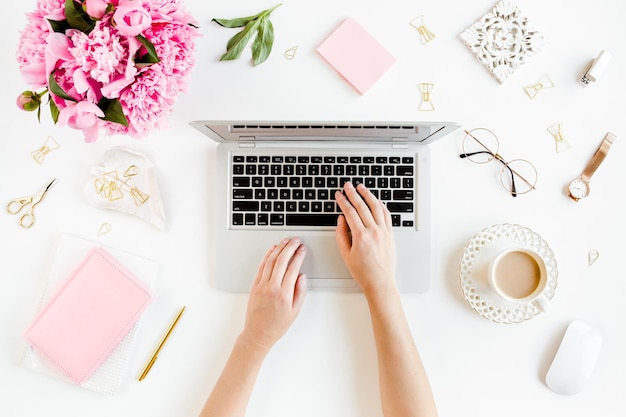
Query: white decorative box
pixel 503 40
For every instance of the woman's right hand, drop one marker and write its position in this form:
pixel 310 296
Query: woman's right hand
pixel 365 239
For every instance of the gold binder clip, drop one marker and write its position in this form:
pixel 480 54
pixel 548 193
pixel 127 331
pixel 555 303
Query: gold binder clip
pixel 533 90
pixel 427 104
pixel 425 34
pixel 557 131
pixel 291 52
pixel 40 154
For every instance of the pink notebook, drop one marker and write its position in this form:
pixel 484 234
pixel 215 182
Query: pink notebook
pixel 356 55
pixel 89 316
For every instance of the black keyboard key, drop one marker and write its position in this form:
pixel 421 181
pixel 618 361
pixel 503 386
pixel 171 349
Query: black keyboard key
pixel 241 181
pixel 311 219
pixel 277 219
pixel 237 219
pixel 250 219
pixel 251 158
pixel 407 159
pixel 238 158
pixel 242 194
pixel 402 195
pixel 404 170
pixel 240 205
pixel 396 207
pixel 238 169
pixel 263 219
pixel 407 223
pixel 395 220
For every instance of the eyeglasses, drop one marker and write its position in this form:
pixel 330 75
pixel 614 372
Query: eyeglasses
pixel 481 145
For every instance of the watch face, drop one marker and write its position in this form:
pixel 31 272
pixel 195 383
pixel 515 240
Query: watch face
pixel 579 188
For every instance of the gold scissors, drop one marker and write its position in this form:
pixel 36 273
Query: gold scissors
pixel 28 218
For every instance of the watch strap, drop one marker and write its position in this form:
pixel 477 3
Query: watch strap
pixel 599 156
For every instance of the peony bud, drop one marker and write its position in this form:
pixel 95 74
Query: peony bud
pixel 28 101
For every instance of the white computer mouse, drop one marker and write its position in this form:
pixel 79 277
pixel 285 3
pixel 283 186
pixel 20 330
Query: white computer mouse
pixel 575 360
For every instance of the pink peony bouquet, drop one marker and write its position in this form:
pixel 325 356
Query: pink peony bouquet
pixel 111 64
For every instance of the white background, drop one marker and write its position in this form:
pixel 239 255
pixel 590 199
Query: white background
pixel 326 364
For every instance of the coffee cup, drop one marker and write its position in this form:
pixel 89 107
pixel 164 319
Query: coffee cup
pixel 519 275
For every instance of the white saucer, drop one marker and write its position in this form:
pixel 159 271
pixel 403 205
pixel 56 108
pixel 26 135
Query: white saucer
pixel 475 261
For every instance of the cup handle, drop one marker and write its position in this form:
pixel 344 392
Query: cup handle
pixel 542 303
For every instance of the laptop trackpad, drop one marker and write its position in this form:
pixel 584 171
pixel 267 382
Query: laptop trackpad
pixel 323 265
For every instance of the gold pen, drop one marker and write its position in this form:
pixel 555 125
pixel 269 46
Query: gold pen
pixel 155 354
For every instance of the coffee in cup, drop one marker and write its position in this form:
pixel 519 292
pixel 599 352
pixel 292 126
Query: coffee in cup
pixel 519 275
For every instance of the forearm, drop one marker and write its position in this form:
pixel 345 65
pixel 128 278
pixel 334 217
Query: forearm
pixel 404 386
pixel 232 391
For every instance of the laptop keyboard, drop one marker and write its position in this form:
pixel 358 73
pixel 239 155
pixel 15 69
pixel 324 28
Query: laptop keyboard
pixel 278 191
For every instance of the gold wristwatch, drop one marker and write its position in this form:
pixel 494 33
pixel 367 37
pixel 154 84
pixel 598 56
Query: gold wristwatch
pixel 579 187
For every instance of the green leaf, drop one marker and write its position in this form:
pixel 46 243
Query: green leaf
pixel 77 18
pixel 259 23
pixel 235 23
pixel 237 43
pixel 56 89
pixel 59 26
pixel 262 45
pixel 151 57
pixel 54 111
pixel 113 111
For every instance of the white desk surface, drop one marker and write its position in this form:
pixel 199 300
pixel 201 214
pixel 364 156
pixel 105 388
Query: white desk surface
pixel 326 364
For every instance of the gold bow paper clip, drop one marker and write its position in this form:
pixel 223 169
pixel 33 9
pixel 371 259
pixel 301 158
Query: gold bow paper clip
pixel 107 187
pixel 427 104
pixel 425 34
pixel 40 154
pixel 533 90
pixel 557 132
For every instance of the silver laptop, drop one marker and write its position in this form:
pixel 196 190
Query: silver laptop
pixel 276 179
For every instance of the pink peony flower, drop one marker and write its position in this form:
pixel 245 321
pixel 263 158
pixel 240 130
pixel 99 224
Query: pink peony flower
pixel 96 8
pixel 131 18
pixel 106 60
pixel 83 116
